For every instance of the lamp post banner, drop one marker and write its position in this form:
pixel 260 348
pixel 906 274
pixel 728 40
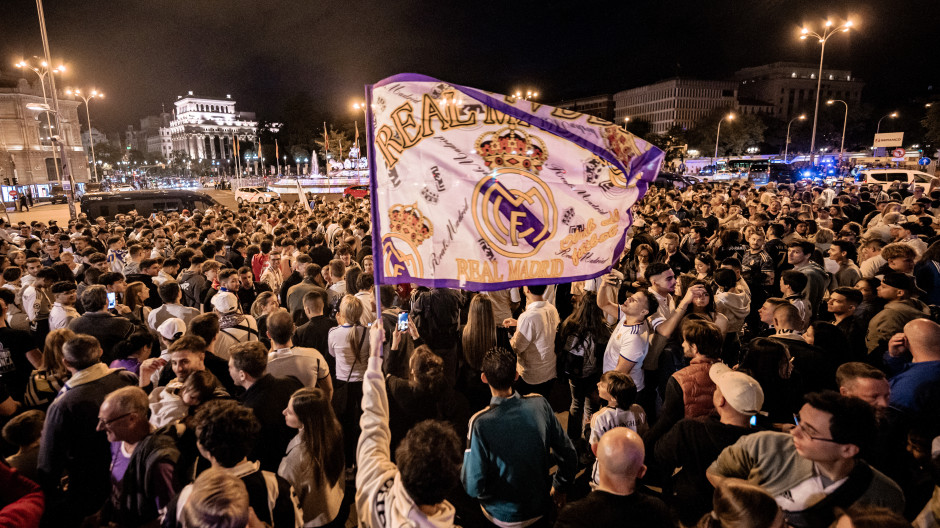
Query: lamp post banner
pixel 482 191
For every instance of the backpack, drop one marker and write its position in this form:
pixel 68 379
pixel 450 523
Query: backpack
pixel 437 316
pixel 189 291
pixel 579 356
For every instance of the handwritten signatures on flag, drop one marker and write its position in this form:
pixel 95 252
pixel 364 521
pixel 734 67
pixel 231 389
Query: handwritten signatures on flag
pixel 588 238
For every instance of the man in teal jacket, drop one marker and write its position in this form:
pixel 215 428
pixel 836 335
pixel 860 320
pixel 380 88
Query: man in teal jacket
pixel 513 444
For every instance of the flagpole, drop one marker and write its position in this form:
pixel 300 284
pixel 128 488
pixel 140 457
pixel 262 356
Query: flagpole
pixel 377 263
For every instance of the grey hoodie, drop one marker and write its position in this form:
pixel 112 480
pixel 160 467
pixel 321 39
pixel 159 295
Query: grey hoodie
pixel 735 306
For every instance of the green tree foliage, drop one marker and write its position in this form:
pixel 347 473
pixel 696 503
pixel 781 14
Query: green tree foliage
pixel 736 134
pixel 673 142
pixel 340 142
pixel 640 127
pixel 931 123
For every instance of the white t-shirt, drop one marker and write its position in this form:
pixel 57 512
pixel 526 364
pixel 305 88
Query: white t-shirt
pixel 605 420
pixel 630 342
pixel 807 493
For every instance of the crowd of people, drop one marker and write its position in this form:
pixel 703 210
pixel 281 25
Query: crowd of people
pixel 757 357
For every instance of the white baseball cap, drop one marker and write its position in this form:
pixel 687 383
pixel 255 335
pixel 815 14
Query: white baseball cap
pixel 225 302
pixel 741 391
pixel 172 328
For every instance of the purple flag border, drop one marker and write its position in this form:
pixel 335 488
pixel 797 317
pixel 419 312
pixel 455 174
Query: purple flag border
pixel 644 164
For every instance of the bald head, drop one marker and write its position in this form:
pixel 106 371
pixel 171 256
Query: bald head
pixel 923 336
pixel 620 455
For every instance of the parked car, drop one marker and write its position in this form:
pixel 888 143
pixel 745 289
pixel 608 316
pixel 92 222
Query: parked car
pixel 674 180
pixel 255 195
pixel 886 177
pixel 357 191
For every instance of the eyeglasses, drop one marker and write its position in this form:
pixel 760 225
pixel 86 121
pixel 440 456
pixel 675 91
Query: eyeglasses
pixel 107 423
pixel 796 420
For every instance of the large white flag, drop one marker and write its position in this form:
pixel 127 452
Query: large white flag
pixel 482 191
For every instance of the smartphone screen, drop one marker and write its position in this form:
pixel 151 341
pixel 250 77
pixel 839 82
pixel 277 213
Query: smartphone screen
pixel 112 300
pixel 403 322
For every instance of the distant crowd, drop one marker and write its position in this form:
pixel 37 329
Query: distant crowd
pixel 758 356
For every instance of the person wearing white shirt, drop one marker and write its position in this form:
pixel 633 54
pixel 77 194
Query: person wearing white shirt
pixel 63 310
pixel 629 342
pixel 534 342
pixel 306 364
pixel 172 296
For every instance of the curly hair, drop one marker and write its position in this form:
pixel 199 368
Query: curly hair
pixel 429 461
pixel 428 370
pixel 226 430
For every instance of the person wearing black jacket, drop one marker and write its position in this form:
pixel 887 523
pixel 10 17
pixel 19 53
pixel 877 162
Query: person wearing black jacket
pixel 267 396
pixel 227 432
pixel 149 268
pixel 617 500
pixel 694 443
pixel 319 253
pixel 315 332
pixel 249 289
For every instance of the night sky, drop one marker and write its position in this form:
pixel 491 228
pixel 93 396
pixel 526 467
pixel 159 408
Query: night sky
pixel 142 53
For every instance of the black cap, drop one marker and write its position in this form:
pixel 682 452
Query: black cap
pixel 902 281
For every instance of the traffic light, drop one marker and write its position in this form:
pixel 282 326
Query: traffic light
pixel 6 181
pixel 15 182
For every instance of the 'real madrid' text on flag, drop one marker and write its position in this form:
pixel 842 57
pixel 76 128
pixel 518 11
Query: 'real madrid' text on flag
pixel 483 191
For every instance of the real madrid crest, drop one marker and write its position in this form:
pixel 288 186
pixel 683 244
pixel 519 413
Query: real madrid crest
pixel 408 229
pixel 513 209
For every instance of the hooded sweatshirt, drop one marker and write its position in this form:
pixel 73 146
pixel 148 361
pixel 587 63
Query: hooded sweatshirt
pixel 735 306
pixel 892 319
pixel 381 499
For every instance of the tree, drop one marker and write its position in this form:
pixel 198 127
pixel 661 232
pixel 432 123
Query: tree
pixel 339 144
pixel 179 161
pixel 673 142
pixel 745 130
pixel 640 127
pixel 931 123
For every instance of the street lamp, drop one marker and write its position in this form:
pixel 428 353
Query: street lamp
pixel 786 149
pixel 529 94
pixel 91 139
pixel 729 117
pixel 626 121
pixel 41 69
pixel 891 115
pixel 828 31
pixel 362 106
pixel 844 122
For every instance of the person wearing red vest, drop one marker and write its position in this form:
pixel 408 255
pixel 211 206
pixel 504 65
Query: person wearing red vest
pixel 689 391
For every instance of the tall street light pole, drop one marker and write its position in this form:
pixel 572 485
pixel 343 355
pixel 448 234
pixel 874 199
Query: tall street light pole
pixel 41 71
pixel 66 162
pixel 891 115
pixel 786 149
pixel 91 139
pixel 828 31
pixel 845 121
pixel 729 117
pixel 365 130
